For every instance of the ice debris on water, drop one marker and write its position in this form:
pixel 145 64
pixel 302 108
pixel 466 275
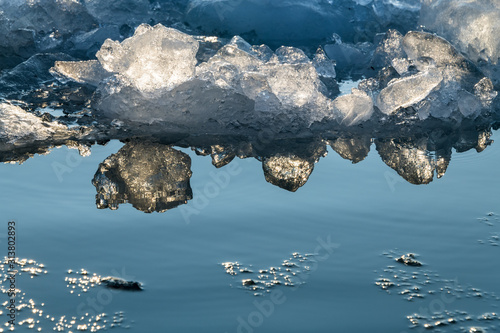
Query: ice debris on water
pixel 241 84
pixel 292 272
pixel 472 26
pixel 81 281
pixel 416 284
pixel 409 260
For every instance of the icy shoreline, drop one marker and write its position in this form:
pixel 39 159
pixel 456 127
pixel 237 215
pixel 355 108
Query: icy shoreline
pixel 167 81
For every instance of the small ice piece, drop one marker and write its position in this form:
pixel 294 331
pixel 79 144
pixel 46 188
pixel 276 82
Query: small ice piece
pixel 248 282
pixel 154 58
pixel 292 77
pixel 19 125
pixel 238 53
pixel 391 52
pixel 421 46
pixel 485 91
pixel 90 72
pixel 324 65
pixel 119 283
pixel 409 260
pixel 469 105
pixel 354 108
pixel 405 92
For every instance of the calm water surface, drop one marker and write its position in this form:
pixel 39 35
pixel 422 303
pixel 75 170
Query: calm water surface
pixel 365 209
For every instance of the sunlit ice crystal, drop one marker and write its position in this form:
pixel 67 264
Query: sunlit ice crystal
pixel 407 91
pixel 433 78
pixel 292 77
pixel 18 125
pixel 90 72
pixel 273 22
pixel 154 58
pixel 354 108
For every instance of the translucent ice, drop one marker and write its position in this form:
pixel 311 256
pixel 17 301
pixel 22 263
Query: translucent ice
pixel 472 26
pixel 18 125
pixel 432 77
pixel 298 22
pixel 287 172
pixel 154 58
pixel 154 70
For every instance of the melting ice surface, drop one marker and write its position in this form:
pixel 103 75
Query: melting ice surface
pixel 155 77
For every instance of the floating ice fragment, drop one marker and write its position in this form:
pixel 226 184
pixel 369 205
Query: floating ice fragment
pixel 18 125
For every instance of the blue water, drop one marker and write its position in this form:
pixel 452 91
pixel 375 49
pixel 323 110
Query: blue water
pixel 366 209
